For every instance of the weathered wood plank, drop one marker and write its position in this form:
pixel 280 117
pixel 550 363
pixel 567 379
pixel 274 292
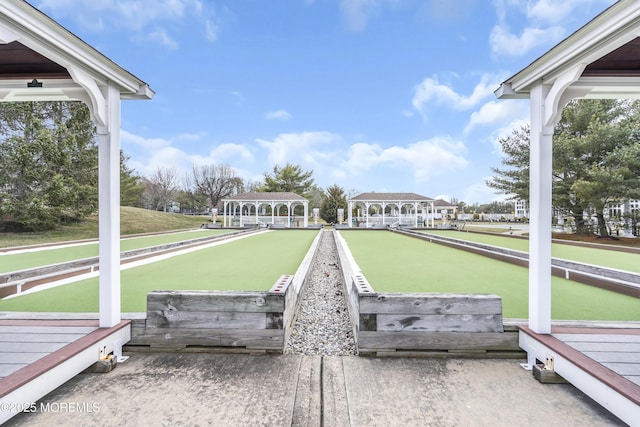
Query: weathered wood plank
pixel 386 340
pixel 368 322
pixel 430 303
pixel 251 302
pixel 176 319
pixel 169 337
pixel 440 323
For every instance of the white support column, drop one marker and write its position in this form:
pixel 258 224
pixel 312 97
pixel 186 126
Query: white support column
pixel 241 219
pixel 273 213
pixel 257 205
pixel 384 206
pixel 109 210
pixel 415 213
pixel 224 213
pixel 366 213
pixel 288 214
pixel 305 222
pixel 433 214
pixel 540 175
pixel 350 213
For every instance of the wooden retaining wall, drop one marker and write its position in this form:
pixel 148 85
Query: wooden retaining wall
pixel 182 319
pixel 424 324
pixel 230 320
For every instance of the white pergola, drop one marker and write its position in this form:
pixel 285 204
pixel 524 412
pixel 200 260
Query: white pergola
pixel 257 200
pixel 409 201
pixel 41 61
pixel 601 60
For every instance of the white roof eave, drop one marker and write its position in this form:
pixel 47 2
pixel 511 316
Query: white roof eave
pixel 37 31
pixel 611 29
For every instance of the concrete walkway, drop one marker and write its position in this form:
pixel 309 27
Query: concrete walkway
pixel 239 390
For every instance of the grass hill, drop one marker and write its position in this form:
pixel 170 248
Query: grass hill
pixel 132 221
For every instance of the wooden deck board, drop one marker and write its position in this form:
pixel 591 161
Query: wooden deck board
pixel 8 329
pixel 38 338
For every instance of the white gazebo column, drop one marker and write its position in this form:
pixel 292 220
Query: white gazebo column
pixel 433 214
pixel 350 213
pixel 305 222
pixel 257 205
pixel 288 214
pixel 366 213
pixel 224 213
pixel 415 213
pixel 241 218
pixel 273 212
pixel 540 174
pixel 109 209
pixel 384 206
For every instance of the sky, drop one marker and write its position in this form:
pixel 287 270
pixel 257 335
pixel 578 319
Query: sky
pixel 371 95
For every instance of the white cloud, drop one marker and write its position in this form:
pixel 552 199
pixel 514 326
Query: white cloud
pixel 431 92
pixel 497 112
pixel 137 15
pixel 503 42
pixel 224 153
pixel 278 115
pixel 145 143
pixel 558 11
pixel 306 148
pixel 480 193
pixel 423 159
pixel 211 30
pixel 356 13
pixel 163 38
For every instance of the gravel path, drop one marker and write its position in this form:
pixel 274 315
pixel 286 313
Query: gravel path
pixel 322 326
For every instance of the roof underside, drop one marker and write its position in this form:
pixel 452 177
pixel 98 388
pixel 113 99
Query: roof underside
pixel 624 61
pixel 19 62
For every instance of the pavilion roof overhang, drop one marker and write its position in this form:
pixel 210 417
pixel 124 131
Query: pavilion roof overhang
pixel 34 46
pixel 600 60
pixel 391 197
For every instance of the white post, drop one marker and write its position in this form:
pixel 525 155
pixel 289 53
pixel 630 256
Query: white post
pixel 288 214
pixel 109 210
pixel 305 222
pixel 350 213
pixel 273 213
pixel 540 175
pixel 224 213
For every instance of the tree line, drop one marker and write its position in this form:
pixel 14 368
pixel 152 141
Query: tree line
pixel 596 161
pixel 49 173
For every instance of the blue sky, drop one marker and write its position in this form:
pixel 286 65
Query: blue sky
pixel 372 95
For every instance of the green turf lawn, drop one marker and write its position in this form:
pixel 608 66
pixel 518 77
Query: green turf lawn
pixel 250 264
pixel 22 261
pixel 395 263
pixel 606 258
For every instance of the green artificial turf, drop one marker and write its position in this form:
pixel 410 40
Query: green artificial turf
pixel 250 264
pixel 606 258
pixel 26 260
pixel 395 263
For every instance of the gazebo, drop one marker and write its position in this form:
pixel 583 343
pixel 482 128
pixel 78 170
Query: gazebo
pixel 601 60
pixel 251 208
pixel 404 208
pixel 41 61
